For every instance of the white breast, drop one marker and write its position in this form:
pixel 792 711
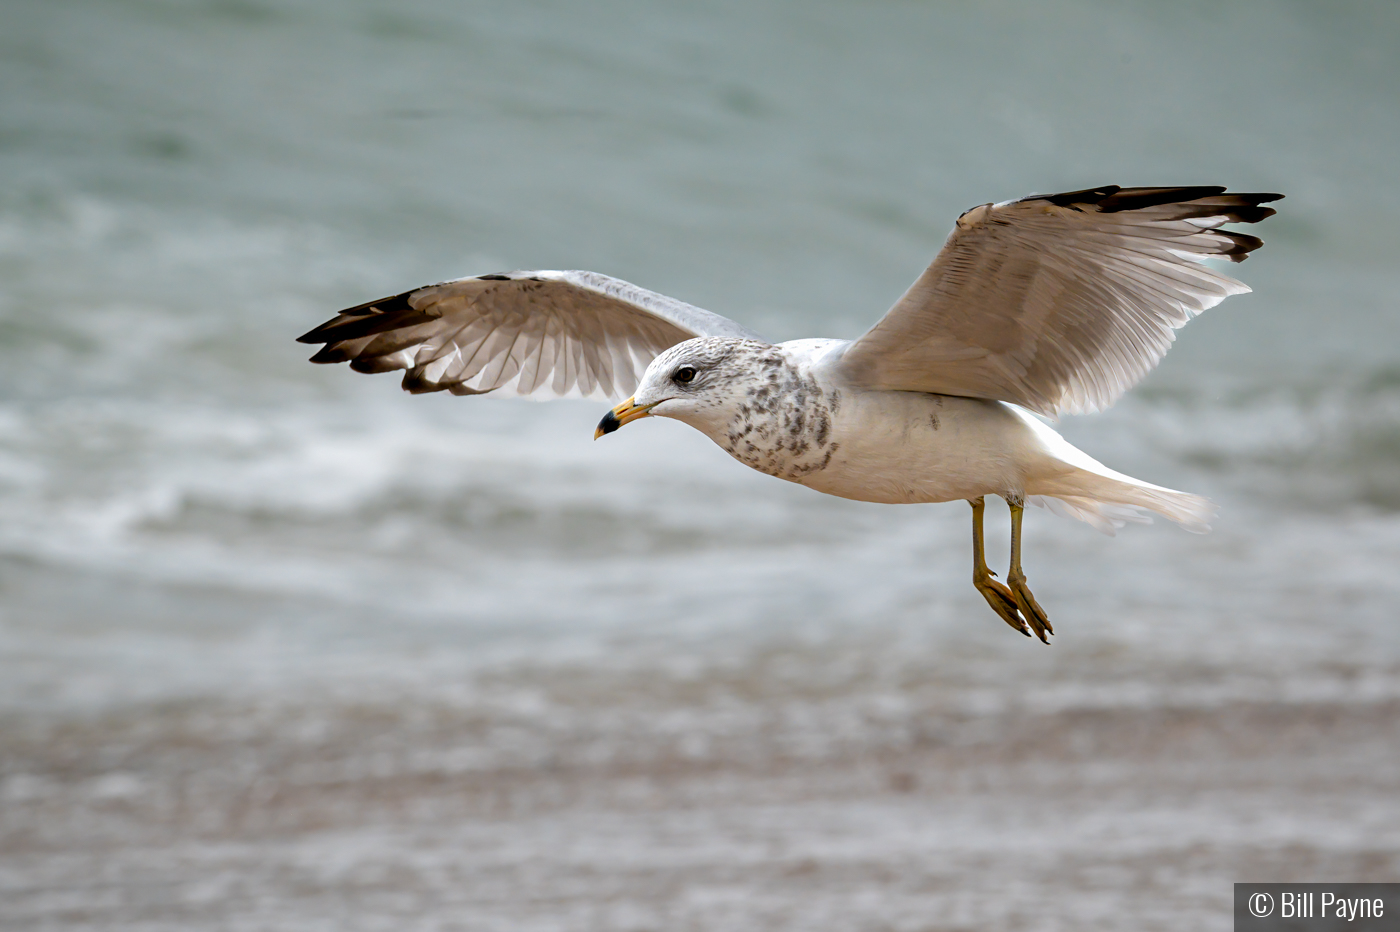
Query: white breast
pixel 907 447
pixel 801 421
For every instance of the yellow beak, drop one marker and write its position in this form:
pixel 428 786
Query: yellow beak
pixel 627 411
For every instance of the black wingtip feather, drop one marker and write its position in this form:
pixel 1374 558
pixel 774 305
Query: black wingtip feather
pixel 326 332
pixel 415 384
pixel 1244 244
pixel 394 304
pixel 355 328
pixel 362 320
pixel 1249 213
pixel 330 353
pixel 1071 198
pixel 1110 199
pixel 1140 198
pixel 373 365
pixel 314 335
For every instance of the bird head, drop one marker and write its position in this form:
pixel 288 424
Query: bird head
pixel 697 381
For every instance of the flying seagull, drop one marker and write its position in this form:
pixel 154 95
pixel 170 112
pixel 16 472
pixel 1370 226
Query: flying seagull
pixel 1047 305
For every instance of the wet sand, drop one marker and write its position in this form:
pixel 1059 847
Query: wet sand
pixel 788 786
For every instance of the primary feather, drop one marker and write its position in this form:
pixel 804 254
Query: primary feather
pixel 568 334
pixel 1059 303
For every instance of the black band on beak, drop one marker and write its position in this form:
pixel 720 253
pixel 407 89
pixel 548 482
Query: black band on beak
pixel 608 424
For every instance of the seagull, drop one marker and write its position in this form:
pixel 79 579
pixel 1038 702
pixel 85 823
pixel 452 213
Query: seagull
pixel 1037 307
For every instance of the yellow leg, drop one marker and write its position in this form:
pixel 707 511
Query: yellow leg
pixel 1016 579
pixel 1000 598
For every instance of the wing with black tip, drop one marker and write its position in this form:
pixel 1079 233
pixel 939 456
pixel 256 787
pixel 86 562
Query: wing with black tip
pixel 566 334
pixel 1061 302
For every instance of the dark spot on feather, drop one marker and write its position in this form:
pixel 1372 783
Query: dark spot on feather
pixel 493 278
pixel 797 423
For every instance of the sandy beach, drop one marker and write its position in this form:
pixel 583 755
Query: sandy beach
pixel 852 781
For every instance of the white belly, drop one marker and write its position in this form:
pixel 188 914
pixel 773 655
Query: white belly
pixel 906 447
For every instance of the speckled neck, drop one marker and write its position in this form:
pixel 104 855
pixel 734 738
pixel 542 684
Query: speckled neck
pixel 782 423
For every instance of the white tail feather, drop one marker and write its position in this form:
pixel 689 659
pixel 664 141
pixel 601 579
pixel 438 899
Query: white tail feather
pixel 1191 512
pixel 1101 516
pixel 1080 487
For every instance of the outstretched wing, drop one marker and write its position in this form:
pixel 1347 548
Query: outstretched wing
pixel 570 334
pixel 1061 302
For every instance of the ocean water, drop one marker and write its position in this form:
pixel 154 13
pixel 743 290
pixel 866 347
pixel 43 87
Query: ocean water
pixel 283 647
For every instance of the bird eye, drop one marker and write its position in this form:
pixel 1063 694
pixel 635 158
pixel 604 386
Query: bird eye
pixel 683 375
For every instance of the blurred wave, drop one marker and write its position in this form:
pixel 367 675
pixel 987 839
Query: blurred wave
pixel 189 196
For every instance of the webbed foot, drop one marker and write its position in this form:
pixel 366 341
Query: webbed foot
pixel 1029 607
pixel 1002 601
